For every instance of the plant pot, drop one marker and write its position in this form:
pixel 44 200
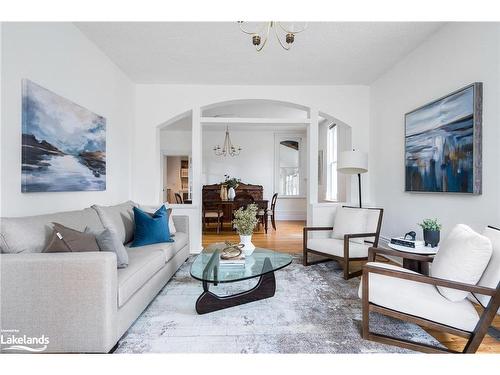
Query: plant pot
pixel 231 193
pixel 248 246
pixel 431 237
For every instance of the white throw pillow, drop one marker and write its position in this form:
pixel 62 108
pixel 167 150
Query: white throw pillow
pixel 349 221
pixel 491 275
pixel 463 257
pixel 153 209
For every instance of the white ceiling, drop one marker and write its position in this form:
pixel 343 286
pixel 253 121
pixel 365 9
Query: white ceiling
pixel 219 53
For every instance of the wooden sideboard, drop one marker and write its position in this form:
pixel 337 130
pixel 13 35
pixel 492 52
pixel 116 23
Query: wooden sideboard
pixel 212 192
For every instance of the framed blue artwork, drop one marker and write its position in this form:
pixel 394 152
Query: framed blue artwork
pixel 443 144
pixel 63 144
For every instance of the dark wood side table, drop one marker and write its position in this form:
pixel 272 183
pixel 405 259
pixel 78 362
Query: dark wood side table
pixel 418 265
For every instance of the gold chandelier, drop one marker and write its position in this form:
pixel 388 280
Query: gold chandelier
pixel 228 149
pixel 260 36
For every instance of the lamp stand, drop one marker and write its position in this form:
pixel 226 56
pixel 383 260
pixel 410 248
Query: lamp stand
pixel 359 187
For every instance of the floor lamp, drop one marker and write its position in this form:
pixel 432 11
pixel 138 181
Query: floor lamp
pixel 353 162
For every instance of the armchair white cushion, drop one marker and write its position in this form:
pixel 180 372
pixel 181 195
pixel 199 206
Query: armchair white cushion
pixel 334 246
pixel 463 257
pixel 349 221
pixel 418 299
pixel 491 276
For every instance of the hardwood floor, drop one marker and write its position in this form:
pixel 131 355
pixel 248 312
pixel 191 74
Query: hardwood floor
pixel 288 238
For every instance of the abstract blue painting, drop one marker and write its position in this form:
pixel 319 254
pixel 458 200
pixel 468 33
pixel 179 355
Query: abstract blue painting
pixel 443 144
pixel 63 144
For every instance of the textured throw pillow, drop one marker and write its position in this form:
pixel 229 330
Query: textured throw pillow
pixel 491 275
pixel 153 209
pixel 150 229
pixel 109 241
pixel 463 256
pixel 65 239
pixel 349 221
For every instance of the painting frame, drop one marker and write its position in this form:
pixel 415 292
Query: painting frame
pixel 475 187
pixel 63 144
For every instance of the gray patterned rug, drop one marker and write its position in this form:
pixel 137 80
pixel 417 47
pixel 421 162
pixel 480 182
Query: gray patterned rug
pixel 314 310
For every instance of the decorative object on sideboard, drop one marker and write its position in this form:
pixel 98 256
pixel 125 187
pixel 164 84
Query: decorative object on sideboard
pixel 431 229
pixel 443 144
pixel 231 183
pixel 227 149
pixel 223 193
pixel 353 162
pixel 260 33
pixel 245 220
pixel 63 144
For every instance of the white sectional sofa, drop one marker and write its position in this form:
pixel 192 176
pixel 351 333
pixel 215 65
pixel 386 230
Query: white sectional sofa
pixel 80 301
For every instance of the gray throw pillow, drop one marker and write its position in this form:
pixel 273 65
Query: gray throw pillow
pixel 65 239
pixel 109 241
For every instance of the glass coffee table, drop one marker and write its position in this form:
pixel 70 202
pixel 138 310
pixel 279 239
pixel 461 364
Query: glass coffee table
pixel 208 269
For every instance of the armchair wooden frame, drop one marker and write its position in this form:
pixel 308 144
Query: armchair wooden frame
pixel 345 259
pixel 474 338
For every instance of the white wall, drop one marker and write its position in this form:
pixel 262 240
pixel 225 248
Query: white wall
pixel 455 56
pixel 60 58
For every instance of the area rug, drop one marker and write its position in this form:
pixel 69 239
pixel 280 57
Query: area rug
pixel 314 310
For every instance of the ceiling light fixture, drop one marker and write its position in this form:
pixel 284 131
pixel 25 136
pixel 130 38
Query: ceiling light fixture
pixel 261 35
pixel 228 149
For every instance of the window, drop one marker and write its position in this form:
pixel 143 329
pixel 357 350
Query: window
pixel 288 166
pixel 332 179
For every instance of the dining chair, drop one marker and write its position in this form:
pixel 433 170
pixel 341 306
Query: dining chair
pixel 271 212
pixel 354 230
pixel 178 198
pixel 212 212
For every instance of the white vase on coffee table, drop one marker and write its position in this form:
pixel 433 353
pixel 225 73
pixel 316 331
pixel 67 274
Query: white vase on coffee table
pixel 248 247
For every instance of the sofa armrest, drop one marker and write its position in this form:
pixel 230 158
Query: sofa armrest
pixel 71 298
pixel 181 223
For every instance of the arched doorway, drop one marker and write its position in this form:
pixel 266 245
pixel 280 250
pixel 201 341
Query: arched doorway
pixel 263 127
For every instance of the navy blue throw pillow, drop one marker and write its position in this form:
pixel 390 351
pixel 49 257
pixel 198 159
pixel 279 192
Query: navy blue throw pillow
pixel 151 228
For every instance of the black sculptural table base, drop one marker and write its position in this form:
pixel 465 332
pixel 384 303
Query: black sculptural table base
pixel 209 302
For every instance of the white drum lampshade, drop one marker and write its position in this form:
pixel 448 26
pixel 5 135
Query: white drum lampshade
pixel 353 162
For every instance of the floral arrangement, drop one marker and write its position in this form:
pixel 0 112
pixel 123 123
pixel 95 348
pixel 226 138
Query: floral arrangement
pixel 245 220
pixel 430 224
pixel 231 182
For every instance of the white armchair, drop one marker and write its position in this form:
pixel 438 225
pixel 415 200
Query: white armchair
pixel 429 301
pixel 354 231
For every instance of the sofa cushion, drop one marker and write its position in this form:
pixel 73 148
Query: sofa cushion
pixel 169 249
pixel 65 239
pixel 109 241
pixel 335 247
pixel 349 221
pixel 422 300
pixel 118 219
pixel 150 228
pixel 491 276
pixel 144 262
pixel 463 256
pixel 30 234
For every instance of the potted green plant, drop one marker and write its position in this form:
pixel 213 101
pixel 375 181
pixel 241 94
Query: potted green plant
pixel 245 220
pixel 231 183
pixel 432 230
